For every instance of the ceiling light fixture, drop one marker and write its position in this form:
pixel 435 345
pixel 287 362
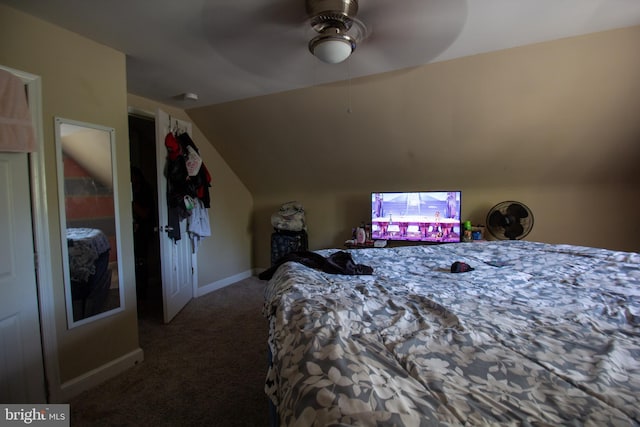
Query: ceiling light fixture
pixel 332 19
pixel 189 96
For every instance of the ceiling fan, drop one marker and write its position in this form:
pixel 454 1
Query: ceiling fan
pixel 339 31
pixel 272 38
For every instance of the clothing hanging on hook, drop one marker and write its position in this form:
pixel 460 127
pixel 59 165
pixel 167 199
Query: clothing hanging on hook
pixel 187 177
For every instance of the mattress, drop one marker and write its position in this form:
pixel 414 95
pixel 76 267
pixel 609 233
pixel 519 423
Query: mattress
pixel 85 245
pixel 535 334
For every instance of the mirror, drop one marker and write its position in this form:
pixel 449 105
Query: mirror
pixel 88 220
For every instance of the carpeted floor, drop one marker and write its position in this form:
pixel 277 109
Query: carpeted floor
pixel 206 368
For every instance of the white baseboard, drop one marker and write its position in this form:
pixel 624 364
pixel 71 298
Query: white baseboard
pixel 219 284
pixel 97 376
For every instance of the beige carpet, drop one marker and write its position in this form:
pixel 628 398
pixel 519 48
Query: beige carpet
pixel 206 368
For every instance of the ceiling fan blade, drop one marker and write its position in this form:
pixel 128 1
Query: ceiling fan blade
pixel 283 12
pixel 407 32
pixel 271 44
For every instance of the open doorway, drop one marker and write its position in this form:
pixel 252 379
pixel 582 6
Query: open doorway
pixel 142 155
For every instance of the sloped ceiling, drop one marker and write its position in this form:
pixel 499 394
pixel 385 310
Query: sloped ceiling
pixel 224 50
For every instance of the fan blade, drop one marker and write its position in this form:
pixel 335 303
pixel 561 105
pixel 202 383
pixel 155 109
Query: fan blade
pixel 514 231
pixel 517 210
pixel 496 219
pixel 406 33
pixel 270 42
pixel 284 13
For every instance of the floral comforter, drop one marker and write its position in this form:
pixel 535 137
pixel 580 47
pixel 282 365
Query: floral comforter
pixel 536 334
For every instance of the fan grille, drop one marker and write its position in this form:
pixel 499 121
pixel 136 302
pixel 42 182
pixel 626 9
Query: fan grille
pixel 509 220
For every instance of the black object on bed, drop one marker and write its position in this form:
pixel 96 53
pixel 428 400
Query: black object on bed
pixel 460 267
pixel 337 263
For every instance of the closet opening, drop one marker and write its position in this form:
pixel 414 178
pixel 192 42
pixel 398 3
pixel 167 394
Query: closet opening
pixel 142 156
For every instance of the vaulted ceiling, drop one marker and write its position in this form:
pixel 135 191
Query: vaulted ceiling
pixel 224 50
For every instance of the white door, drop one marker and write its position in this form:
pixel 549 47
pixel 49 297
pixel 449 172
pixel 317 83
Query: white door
pixel 178 263
pixel 21 363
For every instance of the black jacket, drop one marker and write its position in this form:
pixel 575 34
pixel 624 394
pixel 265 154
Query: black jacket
pixel 337 263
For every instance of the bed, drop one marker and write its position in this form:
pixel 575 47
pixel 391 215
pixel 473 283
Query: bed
pixel 89 271
pixel 536 334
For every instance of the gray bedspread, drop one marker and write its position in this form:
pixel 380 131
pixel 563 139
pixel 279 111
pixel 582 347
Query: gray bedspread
pixel 537 334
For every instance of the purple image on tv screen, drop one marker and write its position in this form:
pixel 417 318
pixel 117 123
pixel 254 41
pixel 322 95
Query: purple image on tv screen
pixel 426 216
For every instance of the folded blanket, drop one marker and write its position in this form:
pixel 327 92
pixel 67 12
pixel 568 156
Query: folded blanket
pixel 337 263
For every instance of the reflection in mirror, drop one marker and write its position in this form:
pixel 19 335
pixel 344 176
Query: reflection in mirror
pixel 89 220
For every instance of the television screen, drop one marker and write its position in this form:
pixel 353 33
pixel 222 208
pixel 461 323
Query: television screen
pixel 427 216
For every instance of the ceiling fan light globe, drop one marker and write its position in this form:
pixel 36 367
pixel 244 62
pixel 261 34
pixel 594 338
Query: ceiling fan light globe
pixel 331 50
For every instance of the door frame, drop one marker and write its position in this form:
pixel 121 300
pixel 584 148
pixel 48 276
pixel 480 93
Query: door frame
pixel 41 238
pixel 193 257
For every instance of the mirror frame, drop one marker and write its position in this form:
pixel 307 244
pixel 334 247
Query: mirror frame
pixel 59 122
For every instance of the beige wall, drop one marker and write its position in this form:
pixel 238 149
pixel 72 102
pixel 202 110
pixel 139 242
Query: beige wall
pixel 582 215
pixel 228 252
pixel 554 125
pixel 83 81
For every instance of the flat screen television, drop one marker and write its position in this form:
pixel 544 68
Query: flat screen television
pixel 425 216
